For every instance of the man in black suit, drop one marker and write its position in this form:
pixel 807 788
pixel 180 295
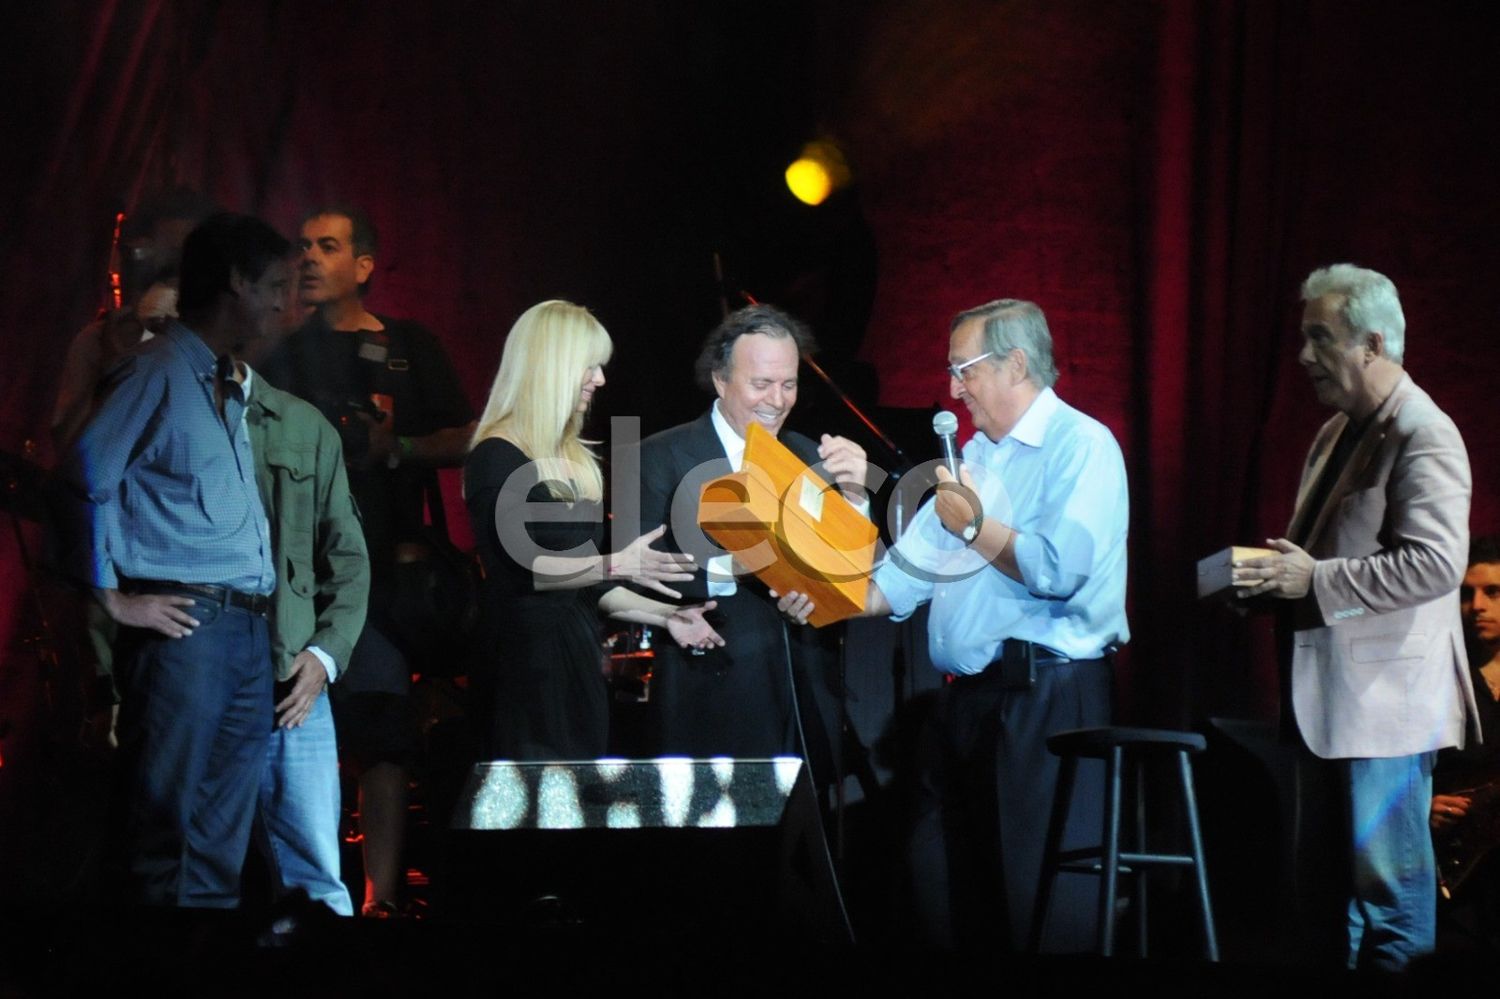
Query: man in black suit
pixel 736 700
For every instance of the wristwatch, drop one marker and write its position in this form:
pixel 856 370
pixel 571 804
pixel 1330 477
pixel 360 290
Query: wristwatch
pixel 971 529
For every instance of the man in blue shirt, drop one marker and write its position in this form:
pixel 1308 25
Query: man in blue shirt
pixel 178 550
pixel 1025 571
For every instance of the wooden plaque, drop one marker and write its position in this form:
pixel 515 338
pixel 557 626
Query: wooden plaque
pixel 787 525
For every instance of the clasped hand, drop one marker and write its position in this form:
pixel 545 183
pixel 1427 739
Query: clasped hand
pixel 1286 575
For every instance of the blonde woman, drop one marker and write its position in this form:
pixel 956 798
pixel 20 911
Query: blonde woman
pixel 534 489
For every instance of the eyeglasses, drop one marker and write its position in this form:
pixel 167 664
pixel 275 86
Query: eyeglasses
pixel 958 371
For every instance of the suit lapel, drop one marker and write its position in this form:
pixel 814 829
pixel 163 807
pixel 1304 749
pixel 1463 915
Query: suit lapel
pixel 703 442
pixel 1296 531
pixel 697 456
pixel 1373 437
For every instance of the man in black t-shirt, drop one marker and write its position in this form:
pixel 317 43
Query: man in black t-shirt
pixel 389 387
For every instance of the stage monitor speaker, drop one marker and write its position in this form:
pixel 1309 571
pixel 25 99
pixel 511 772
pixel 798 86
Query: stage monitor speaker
pixel 690 848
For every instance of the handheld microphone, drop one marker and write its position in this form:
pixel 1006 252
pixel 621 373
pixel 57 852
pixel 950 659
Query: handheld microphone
pixel 945 425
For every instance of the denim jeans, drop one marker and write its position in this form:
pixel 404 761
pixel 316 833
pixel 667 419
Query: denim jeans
pixel 193 721
pixel 297 825
pixel 1393 908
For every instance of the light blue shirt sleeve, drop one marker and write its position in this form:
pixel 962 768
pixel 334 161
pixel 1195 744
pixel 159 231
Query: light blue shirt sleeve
pixel 166 484
pixel 905 576
pixel 1058 480
pixel 103 451
pixel 1077 520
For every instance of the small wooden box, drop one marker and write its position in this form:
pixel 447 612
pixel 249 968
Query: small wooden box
pixel 787 525
pixel 1216 573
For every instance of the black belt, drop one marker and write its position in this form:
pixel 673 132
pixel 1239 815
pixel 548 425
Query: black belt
pixel 224 596
pixel 1040 655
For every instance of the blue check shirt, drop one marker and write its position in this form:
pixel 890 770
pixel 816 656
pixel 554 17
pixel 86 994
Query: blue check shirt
pixel 168 485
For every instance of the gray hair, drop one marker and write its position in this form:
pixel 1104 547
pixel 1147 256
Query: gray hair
pixel 1011 324
pixel 1371 304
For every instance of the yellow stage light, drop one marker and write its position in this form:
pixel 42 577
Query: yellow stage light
pixel 809 181
pixel 818 172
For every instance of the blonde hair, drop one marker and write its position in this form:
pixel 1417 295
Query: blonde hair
pixel 533 402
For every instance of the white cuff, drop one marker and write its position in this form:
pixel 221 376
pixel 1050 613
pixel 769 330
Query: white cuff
pixel 327 661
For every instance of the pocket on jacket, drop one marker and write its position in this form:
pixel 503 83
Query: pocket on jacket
pixel 295 492
pixel 299 578
pixel 1389 648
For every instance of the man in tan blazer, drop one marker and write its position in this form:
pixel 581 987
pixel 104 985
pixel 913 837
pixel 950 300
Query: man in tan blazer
pixel 1370 567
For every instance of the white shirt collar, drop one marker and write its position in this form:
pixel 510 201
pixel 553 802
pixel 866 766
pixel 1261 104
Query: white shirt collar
pixel 1031 428
pixel 734 444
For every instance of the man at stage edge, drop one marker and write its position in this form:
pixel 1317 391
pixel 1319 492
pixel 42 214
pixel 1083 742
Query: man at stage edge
pixel 151 239
pixel 178 548
pixel 1368 572
pixel 1466 782
pixel 1460 771
pixel 1025 570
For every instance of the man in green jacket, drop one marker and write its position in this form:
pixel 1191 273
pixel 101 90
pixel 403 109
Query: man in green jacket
pixel 317 612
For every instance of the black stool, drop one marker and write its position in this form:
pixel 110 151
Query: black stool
pixel 1107 860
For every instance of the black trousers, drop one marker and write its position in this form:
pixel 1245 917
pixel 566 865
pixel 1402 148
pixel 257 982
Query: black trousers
pixel 984 798
pixel 737 701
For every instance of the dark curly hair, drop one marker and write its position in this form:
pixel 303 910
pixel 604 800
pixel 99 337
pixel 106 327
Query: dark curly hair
pixel 219 246
pixel 1484 548
pixel 718 349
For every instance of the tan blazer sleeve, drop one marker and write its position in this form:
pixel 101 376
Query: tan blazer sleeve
pixel 1421 518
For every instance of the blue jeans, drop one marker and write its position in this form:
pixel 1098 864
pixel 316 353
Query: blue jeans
pixel 193 721
pixel 297 825
pixel 1393 908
